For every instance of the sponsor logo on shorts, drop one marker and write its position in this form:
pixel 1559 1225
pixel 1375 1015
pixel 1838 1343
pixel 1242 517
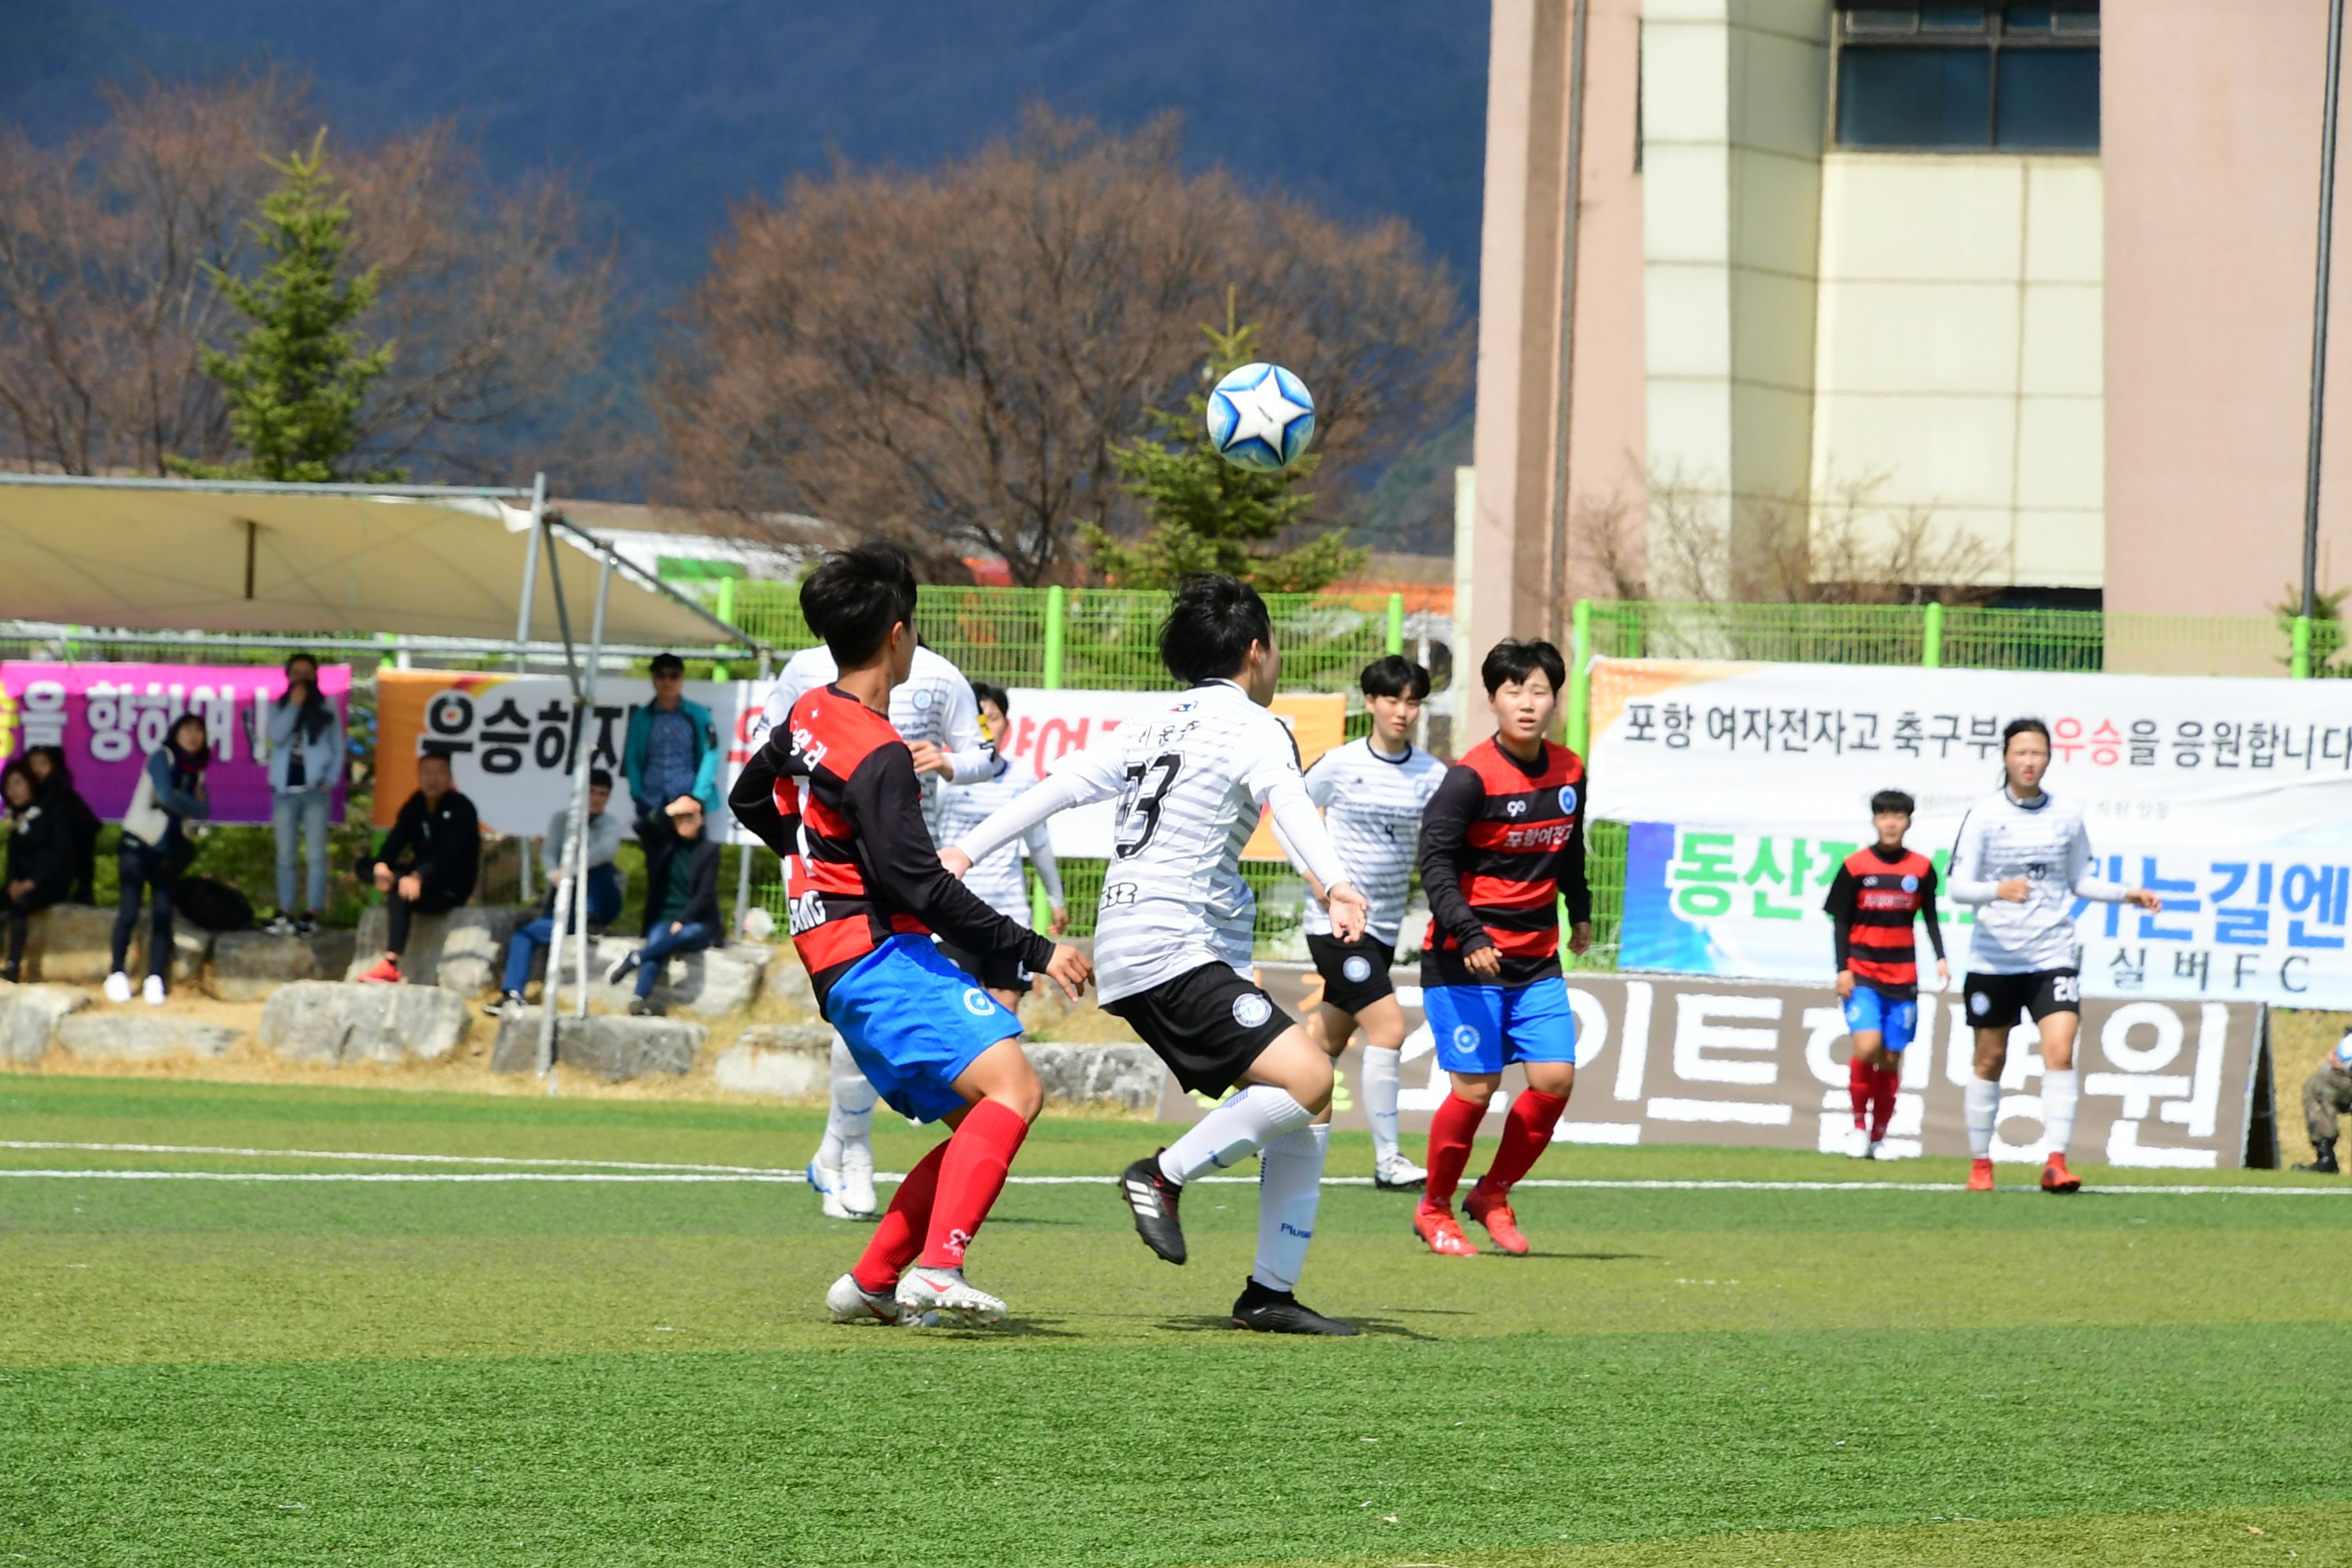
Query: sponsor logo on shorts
pixel 1568 799
pixel 1250 1010
pixel 1465 1037
pixel 1979 1003
pixel 978 1004
pixel 1358 968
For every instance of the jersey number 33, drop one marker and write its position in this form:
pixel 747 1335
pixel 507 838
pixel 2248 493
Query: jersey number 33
pixel 1147 784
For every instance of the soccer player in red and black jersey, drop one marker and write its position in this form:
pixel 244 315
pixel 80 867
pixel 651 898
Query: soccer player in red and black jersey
pixel 833 792
pixel 1873 901
pixel 1501 845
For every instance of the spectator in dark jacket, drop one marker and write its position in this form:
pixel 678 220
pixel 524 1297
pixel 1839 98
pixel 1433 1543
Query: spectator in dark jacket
pixel 681 898
pixel 40 861
pixel 429 861
pixel 170 790
pixel 53 783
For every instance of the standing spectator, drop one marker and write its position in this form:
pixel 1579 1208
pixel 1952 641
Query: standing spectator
pixel 306 763
pixel 604 887
pixel 681 898
pixel 40 861
pixel 672 749
pixel 53 784
pixel 171 789
pixel 2327 1095
pixel 429 860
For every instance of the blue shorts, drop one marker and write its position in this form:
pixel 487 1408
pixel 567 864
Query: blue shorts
pixel 915 1022
pixel 1896 1022
pixel 1478 1028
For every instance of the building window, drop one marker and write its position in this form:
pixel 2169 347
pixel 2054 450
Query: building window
pixel 1968 78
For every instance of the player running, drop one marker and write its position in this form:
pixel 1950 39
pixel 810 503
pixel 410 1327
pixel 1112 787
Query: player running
pixel 934 713
pixel 1372 792
pixel 1172 937
pixel 833 790
pixel 1500 846
pixel 997 881
pixel 2024 856
pixel 1873 901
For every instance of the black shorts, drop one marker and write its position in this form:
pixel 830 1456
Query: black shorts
pixel 1355 973
pixel 1208 1024
pixel 994 971
pixel 1998 1001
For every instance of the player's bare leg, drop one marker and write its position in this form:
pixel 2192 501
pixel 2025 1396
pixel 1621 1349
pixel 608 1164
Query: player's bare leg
pixel 1382 1025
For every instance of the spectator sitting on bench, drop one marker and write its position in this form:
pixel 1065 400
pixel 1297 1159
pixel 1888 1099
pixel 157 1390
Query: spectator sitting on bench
pixel 40 860
pixel 604 887
pixel 53 786
pixel 681 898
pixel 429 860
pixel 672 749
pixel 2326 1096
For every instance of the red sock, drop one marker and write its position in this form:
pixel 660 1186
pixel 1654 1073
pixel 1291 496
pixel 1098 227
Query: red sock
pixel 1527 1132
pixel 1451 1128
pixel 1882 1100
pixel 900 1235
pixel 1859 1080
pixel 974 1173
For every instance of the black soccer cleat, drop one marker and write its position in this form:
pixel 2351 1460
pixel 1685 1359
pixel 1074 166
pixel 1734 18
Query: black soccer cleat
pixel 1265 1312
pixel 1153 1198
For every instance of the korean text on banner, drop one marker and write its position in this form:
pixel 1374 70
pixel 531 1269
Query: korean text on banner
pixel 109 718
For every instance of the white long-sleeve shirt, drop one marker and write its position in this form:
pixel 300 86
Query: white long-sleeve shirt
pixel 2046 844
pixel 1190 778
pixel 935 704
pixel 997 881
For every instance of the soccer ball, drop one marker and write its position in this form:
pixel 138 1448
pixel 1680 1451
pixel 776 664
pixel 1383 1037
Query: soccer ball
pixel 1261 416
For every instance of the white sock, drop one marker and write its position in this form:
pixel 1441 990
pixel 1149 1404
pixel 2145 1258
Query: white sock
pixel 1381 1102
pixel 2060 1089
pixel 1247 1120
pixel 849 1122
pixel 1289 1185
pixel 1980 1102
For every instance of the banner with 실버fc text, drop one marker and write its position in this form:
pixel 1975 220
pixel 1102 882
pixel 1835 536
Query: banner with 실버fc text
pixel 109 718
pixel 2165 1085
pixel 512 738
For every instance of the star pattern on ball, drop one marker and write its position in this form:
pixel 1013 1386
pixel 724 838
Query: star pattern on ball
pixel 1264 412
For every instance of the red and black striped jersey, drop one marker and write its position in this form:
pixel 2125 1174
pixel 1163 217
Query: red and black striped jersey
pixel 1501 844
pixel 833 791
pixel 1873 901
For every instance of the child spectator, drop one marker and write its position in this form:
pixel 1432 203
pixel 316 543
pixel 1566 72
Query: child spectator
pixel 429 861
pixel 53 785
pixel 604 887
pixel 306 763
pixel 40 861
pixel 681 898
pixel 170 790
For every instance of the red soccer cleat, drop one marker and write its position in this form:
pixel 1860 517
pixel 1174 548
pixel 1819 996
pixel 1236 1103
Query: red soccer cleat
pixel 2057 1178
pixel 385 972
pixel 1494 1214
pixel 1443 1235
pixel 1980 1175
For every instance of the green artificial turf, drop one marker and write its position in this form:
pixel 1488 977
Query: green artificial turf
pixel 523 1372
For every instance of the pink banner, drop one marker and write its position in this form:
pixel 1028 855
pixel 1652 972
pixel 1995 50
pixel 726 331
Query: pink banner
pixel 110 717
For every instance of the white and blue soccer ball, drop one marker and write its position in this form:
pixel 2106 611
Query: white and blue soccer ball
pixel 1261 416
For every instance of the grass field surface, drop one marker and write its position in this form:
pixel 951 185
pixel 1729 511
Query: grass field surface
pixel 245 1324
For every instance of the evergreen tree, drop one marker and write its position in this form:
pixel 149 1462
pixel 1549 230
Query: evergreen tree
pixel 1207 514
pixel 297 379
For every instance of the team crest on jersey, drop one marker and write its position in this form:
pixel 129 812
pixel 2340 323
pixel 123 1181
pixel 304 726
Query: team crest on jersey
pixel 1910 884
pixel 1465 1037
pixel 923 698
pixel 1358 968
pixel 1568 799
pixel 978 1004
pixel 1250 1010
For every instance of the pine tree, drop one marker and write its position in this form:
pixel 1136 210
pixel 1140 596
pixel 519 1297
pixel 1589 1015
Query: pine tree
pixel 1207 514
pixel 297 379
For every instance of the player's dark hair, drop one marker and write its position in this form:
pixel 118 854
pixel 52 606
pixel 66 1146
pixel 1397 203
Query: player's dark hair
pixel 989 691
pixel 1512 659
pixel 854 597
pixel 1395 676
pixel 2016 727
pixel 599 778
pixel 1892 800
pixel 1211 623
pixel 665 664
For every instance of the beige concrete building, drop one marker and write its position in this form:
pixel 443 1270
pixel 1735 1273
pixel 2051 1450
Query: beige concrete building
pixel 2028 286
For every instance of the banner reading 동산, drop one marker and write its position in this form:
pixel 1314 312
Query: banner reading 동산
pixel 511 741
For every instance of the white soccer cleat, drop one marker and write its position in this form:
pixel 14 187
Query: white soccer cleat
pixel 1878 1148
pixel 946 1293
pixel 1857 1142
pixel 830 1191
pixel 118 987
pixel 1400 1174
pixel 850 1302
pixel 152 992
pixel 858 1194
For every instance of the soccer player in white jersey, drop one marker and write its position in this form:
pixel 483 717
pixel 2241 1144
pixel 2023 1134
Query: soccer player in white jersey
pixel 1172 936
pixel 1372 792
pixel 2024 858
pixel 997 881
pixel 934 713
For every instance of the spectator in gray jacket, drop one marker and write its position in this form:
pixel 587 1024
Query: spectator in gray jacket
pixel 306 763
pixel 605 887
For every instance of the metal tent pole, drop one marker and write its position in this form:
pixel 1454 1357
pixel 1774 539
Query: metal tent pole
pixel 580 775
pixel 2319 310
pixel 529 572
pixel 550 989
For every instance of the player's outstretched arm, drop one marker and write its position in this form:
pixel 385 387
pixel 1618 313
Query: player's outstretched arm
pixel 2081 876
pixel 886 804
pixel 1300 828
pixel 1968 881
pixel 1093 774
